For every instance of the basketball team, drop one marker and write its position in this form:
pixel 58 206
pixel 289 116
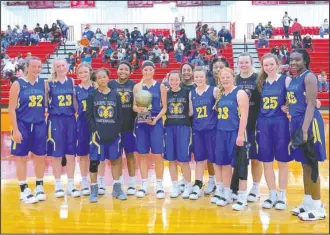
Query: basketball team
pixel 202 115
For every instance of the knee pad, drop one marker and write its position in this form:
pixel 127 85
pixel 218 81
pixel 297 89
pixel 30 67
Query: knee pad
pixel 93 166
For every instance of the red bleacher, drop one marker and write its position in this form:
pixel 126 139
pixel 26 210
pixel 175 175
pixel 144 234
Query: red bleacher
pixel 157 32
pixel 279 31
pixel 43 50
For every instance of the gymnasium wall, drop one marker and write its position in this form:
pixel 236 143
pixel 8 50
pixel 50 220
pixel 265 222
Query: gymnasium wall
pixel 241 13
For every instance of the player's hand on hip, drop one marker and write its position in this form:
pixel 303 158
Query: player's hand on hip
pixel 240 140
pixel 17 137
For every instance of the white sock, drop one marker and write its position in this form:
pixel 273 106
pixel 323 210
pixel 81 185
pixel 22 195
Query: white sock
pixel 58 183
pixel 121 179
pixel 159 182
pixel 219 186
pixel 273 195
pixel 243 195
pixel 317 204
pixel 100 178
pixel 211 179
pixel 84 178
pixel 131 180
pixel 175 184
pixel 70 182
pixel 22 182
pixel 116 181
pixel 144 184
pixel 227 191
pixel 308 199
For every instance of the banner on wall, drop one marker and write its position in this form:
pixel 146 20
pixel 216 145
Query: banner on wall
pixel 132 4
pixel 160 2
pixel 188 3
pixel 41 4
pixel 291 2
pixel 211 3
pixel 82 4
pixel 62 4
pixel 17 3
pixel 264 2
pixel 317 2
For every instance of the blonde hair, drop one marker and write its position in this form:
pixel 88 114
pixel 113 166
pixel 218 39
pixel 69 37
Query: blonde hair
pixel 262 74
pixel 27 63
pixel 85 65
pixel 52 77
pixel 222 90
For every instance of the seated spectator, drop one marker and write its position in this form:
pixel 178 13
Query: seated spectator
pixel 25 29
pixel 114 59
pixel 284 69
pixel 19 60
pixel 78 62
pixel 9 68
pixel 134 34
pixel 227 36
pixel 178 51
pixel 208 57
pixel 296 43
pixel 71 63
pixel 46 32
pixel 121 42
pixel 168 44
pixel 197 62
pixel 56 36
pixel 283 51
pixel 104 45
pixel 107 54
pixel 307 42
pixel 149 39
pixel 214 51
pixel 94 44
pixel 122 52
pixel 204 41
pixel 38 29
pixel 324 28
pixel 151 56
pixel 322 81
pixel 89 33
pixel 269 29
pixel 165 81
pixel 114 36
pixel 139 41
pixel 34 38
pixel 134 62
pixel 157 53
pixel 164 58
pixel 141 53
pixel 99 35
pixel 296 29
pixel 276 51
pixel 221 33
pixel 259 29
pixel 127 35
pixel 54 28
pixel 87 58
pixel 262 42
pixel 214 40
pixel 129 53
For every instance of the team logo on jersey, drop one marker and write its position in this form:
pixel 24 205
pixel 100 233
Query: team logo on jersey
pixel 105 111
pixel 125 97
pixel 176 108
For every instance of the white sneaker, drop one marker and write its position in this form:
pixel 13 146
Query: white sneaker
pixel 225 198
pixel 187 191
pixel 175 191
pixel 160 194
pixel 303 207
pixel 142 192
pixel 182 185
pixel 131 190
pixel 241 202
pixel 59 192
pixel 314 214
pixel 85 191
pixel 217 195
pixel 254 194
pixel 101 187
pixel 280 201
pixel 268 203
pixel 40 193
pixel 234 196
pixel 27 196
pixel 210 187
pixel 72 191
pixel 196 193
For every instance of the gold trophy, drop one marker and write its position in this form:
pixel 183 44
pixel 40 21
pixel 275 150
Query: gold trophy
pixel 143 99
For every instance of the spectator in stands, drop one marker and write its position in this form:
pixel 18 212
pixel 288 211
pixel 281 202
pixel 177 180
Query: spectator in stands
pixel 19 70
pixel 114 36
pixel 89 33
pixel 221 33
pixel 139 41
pixel 127 35
pixel 19 59
pixel 324 28
pixel 56 36
pixel 149 40
pixel 322 81
pixel 214 40
pixel 197 62
pixel 45 33
pixel 86 58
pixel 38 29
pixel 25 29
pixel 134 34
pixel 18 30
pixel 307 42
pixel 164 58
pixel 9 68
pixel 208 57
pixel 296 43
pixel 64 29
pixel 286 21
pixel 107 54
pixel 115 59
pixel 141 54
pixel 135 61
pixel 283 53
pixel 151 56
pixel 165 81
pixel 25 37
pixel 53 28
pixel 204 41
pixel 262 42
pixel 95 44
pixel 8 31
pixel 34 38
pixel 178 26
pixel 129 53
pixel 227 36
pixel 178 51
pixel 157 53
pixel 296 29
pixel 269 29
pixel 259 29
pixel 71 63
pixel 198 30
pixel 168 44
pixel 99 35
pixel 276 51
pixel 183 37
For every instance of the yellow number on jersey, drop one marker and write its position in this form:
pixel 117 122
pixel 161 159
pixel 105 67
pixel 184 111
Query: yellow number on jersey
pixel 290 97
pixel 35 100
pixel 223 113
pixel 270 102
pixel 64 100
pixel 84 105
pixel 202 112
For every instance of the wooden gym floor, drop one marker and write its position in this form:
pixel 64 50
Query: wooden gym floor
pixel 148 215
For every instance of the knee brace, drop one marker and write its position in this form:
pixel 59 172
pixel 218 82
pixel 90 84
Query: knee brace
pixel 93 166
